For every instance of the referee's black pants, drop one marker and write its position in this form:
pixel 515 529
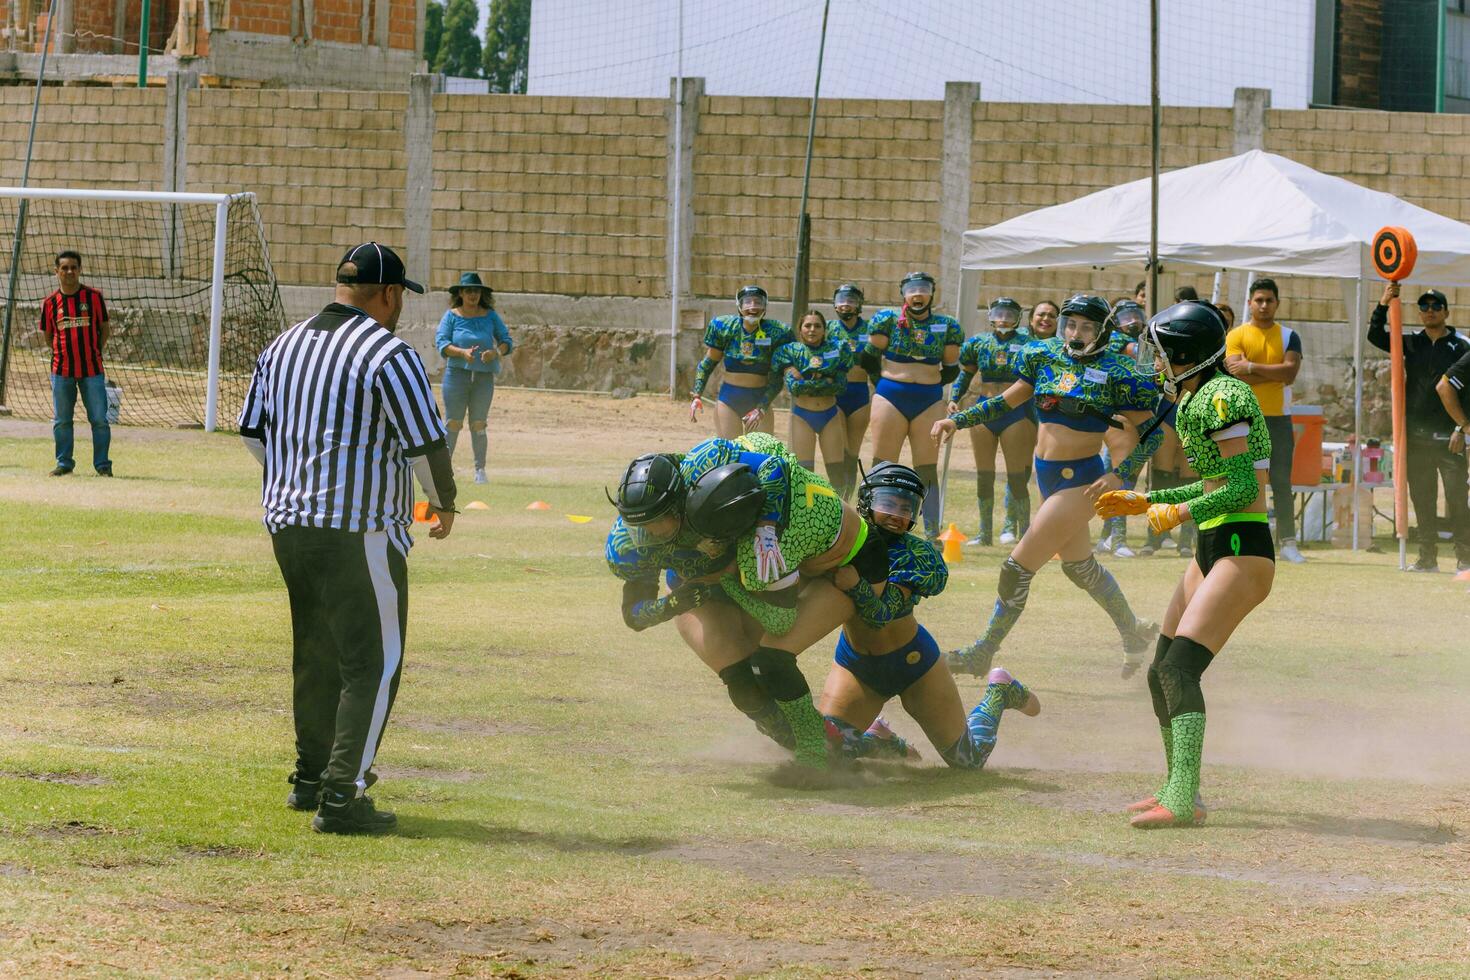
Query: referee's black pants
pixel 1430 462
pixel 349 613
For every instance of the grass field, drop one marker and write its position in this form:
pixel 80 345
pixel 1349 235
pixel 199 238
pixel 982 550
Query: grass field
pixel 577 799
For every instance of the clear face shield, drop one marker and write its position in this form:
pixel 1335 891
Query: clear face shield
pixel 895 509
pixel 660 530
pixel 752 308
pixel 847 302
pixel 1081 335
pixel 1130 322
pixel 918 295
pixel 1004 319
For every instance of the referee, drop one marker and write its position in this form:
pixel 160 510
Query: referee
pixel 339 413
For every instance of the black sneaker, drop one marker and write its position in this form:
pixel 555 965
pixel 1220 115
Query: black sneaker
pixel 1424 565
pixel 307 793
pixel 61 471
pixel 356 816
pixel 104 471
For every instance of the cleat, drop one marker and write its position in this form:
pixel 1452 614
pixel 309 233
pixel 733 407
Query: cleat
pixel 480 475
pixel 889 742
pixel 1140 639
pixel 974 659
pixel 1167 542
pixel 1104 546
pixel 354 815
pixel 1007 537
pixel 1017 697
pixel 1291 553
pixel 1161 818
pixel 1123 551
pixel 1144 805
pixel 1424 565
pixel 61 471
pixel 305 795
pixel 979 541
pixel 1146 550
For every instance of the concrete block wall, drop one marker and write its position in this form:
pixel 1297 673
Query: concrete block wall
pixel 101 138
pixel 550 195
pixel 328 168
pixel 874 198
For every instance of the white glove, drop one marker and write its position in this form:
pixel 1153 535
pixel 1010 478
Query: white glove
pixel 752 418
pixel 769 563
pixel 694 407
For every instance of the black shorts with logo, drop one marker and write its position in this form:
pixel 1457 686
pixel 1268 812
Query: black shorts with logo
pixel 1234 539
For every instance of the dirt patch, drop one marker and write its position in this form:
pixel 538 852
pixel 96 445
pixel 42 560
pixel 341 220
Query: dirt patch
pixel 1333 886
pixel 8 870
pixel 72 828
pixel 917 874
pixel 419 772
pixel 537 944
pixel 1079 800
pixel 64 778
pixel 466 726
pixel 221 851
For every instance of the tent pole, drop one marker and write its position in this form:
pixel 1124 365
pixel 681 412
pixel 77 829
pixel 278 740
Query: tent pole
pixel 1354 318
pixel 1153 220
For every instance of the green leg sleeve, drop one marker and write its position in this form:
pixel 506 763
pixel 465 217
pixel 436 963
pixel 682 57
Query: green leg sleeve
pixel 1188 738
pixel 810 731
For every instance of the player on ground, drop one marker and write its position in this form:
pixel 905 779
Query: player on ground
pixel 1225 435
pixel 1079 387
pixel 883 652
pixel 649 539
pixel 814 368
pixel 918 353
pixel 744 343
pixel 856 400
pixel 993 356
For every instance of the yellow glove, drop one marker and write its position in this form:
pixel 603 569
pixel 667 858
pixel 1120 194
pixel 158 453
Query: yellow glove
pixel 1120 503
pixel 1164 517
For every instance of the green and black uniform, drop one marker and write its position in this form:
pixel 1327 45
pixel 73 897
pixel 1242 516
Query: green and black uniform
pixel 1222 408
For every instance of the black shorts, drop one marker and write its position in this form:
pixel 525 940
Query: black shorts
pixel 1234 539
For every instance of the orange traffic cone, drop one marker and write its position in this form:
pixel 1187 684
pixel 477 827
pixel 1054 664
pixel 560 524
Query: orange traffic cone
pixel 538 505
pixel 953 540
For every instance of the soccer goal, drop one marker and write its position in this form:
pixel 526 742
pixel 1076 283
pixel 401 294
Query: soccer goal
pixel 191 298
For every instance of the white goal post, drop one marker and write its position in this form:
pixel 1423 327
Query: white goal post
pixel 221 204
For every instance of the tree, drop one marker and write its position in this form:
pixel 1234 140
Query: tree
pixel 433 32
pixel 508 45
pixel 459 51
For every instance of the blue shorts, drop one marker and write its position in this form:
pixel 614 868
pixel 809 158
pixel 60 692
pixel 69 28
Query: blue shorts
pixel 1053 475
pixel 911 399
pixel 1025 411
pixel 742 400
pixel 855 398
pixel 890 674
pixel 817 420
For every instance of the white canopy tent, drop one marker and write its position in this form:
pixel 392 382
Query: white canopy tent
pixel 1255 212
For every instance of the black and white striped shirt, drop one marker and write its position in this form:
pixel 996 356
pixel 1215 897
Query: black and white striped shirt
pixel 342 406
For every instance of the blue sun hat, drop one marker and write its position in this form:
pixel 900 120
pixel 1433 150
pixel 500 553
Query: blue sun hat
pixel 470 279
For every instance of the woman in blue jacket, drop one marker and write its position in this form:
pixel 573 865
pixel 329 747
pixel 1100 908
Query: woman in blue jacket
pixel 473 341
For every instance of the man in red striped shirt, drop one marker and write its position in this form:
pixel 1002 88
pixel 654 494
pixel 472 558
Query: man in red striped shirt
pixel 74 319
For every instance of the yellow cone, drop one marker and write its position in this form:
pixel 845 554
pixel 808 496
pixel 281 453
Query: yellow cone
pixel 953 540
pixel 578 518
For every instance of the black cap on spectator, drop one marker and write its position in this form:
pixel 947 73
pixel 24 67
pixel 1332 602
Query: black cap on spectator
pixel 376 265
pixel 1435 295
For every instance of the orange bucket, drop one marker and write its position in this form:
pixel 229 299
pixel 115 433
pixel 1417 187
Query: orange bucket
pixel 1306 458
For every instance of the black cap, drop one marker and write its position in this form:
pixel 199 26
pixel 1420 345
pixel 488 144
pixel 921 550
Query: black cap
pixel 377 265
pixel 1435 295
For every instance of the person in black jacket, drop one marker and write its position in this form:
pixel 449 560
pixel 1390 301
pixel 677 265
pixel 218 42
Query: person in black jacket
pixel 1427 355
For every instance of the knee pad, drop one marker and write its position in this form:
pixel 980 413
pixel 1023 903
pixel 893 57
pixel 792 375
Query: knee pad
pixel 1019 483
pixel 744 690
pixel 985 484
pixel 966 753
pixel 1180 673
pixel 1085 574
pixel 1015 583
pixel 1155 686
pixel 777 674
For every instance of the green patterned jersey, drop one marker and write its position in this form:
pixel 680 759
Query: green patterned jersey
pixel 921 343
pixel 771 465
pixel 821 370
pixel 1222 408
pixel 746 352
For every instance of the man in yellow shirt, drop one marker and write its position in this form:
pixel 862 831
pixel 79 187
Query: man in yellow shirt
pixel 1267 356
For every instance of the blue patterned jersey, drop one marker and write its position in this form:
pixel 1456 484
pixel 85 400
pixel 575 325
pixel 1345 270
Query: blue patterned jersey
pixel 746 352
pixel 914 564
pixel 856 337
pixel 822 370
pixel 770 463
pixel 921 343
pixel 1119 343
pixel 992 358
pixel 1108 381
pixel 633 561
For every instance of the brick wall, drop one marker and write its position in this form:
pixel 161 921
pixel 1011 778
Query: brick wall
pixel 336 21
pixel 1359 52
pixel 874 197
pixel 555 195
pixel 327 167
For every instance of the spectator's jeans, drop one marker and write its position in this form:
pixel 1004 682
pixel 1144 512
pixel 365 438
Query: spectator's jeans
pixel 472 392
pixel 63 405
pixel 1430 461
pixel 1283 445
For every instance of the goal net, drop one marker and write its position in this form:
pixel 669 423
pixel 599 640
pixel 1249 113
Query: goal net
pixel 191 299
